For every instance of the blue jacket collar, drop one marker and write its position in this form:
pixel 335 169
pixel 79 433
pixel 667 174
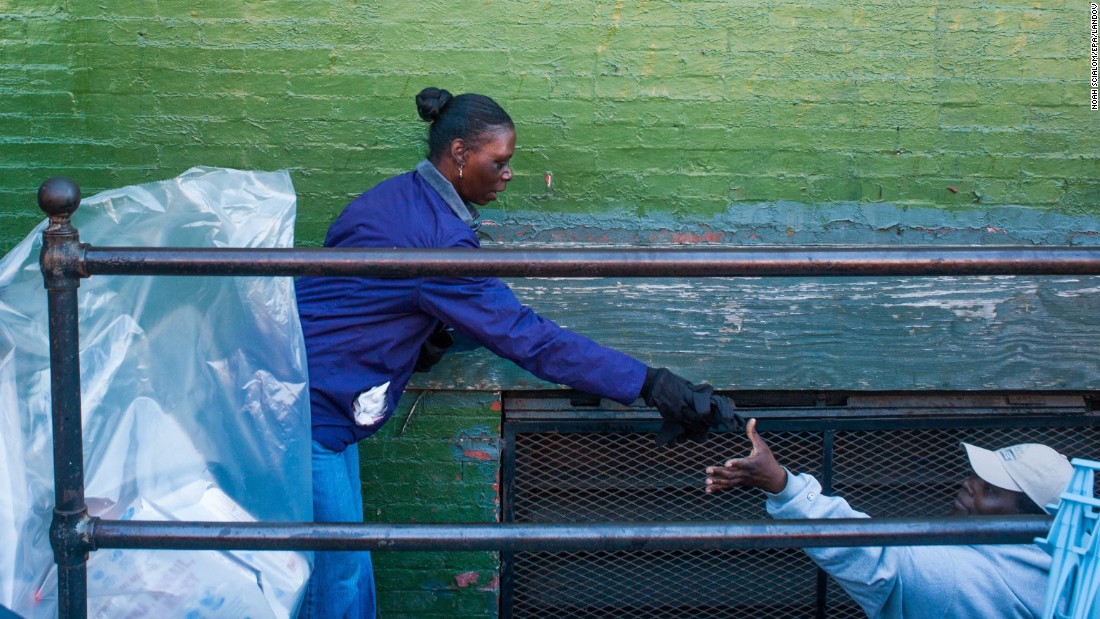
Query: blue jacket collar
pixel 466 212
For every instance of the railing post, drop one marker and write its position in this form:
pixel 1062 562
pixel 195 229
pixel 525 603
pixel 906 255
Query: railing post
pixel 59 197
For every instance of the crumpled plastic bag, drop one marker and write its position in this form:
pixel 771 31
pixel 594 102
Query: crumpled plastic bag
pixel 194 398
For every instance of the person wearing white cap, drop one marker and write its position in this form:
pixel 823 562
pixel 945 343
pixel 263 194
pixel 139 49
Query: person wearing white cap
pixel 918 582
pixel 1034 474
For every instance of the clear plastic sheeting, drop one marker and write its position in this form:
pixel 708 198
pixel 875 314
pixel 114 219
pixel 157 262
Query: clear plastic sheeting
pixel 195 404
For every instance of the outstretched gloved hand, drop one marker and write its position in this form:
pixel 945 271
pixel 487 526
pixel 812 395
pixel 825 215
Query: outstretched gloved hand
pixel 689 411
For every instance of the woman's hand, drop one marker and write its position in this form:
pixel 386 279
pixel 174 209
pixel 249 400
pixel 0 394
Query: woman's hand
pixel 759 470
pixel 688 411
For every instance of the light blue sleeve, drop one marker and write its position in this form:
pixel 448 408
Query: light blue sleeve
pixel 871 575
pixel 920 582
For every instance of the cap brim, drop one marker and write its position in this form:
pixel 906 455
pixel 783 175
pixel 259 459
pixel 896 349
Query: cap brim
pixel 988 465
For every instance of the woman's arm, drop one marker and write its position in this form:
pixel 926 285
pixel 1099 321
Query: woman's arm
pixel 487 310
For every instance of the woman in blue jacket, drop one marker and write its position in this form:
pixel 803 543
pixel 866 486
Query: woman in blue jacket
pixel 365 336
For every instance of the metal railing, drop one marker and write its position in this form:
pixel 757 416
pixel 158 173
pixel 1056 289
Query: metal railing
pixel 74 533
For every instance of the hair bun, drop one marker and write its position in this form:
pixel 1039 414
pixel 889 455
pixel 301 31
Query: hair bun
pixel 430 103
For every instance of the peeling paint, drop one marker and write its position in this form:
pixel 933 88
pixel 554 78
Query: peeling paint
pixel 736 320
pixel 786 223
pixel 985 309
pixel 466 579
pixel 1089 293
pixel 690 238
pixel 477 444
pixel 493 585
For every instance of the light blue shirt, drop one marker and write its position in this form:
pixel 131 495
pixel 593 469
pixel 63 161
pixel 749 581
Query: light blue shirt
pixel 921 582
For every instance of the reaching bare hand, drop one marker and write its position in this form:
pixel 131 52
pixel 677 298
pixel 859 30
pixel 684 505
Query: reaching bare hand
pixel 759 470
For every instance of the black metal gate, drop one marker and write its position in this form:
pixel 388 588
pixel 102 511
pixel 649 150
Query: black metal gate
pixel 890 455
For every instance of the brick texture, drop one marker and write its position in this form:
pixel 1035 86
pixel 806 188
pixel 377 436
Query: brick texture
pixel 637 108
pixel 442 465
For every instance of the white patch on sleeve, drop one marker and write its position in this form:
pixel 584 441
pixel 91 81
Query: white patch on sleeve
pixel 370 406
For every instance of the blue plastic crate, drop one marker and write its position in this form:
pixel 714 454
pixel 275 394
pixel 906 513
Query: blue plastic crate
pixel 1074 584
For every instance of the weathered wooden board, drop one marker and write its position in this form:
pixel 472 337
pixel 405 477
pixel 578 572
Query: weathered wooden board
pixel 817 333
pixel 826 333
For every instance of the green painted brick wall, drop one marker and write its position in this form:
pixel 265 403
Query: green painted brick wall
pixel 684 108
pixel 643 111
pixel 440 465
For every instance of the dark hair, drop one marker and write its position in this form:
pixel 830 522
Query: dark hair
pixel 466 117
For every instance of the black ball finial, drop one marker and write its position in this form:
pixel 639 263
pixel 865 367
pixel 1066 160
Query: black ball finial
pixel 59 196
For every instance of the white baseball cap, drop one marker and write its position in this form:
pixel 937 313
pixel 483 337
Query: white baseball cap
pixel 1036 470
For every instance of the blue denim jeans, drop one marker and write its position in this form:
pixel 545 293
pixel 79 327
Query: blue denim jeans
pixel 342 584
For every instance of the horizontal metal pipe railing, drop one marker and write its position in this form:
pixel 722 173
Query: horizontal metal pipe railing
pixel 594 262
pixel 508 537
pixel 74 533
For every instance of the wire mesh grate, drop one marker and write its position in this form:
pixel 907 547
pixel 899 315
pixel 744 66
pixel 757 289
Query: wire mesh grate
pixel 616 477
pixel 899 473
pixel 703 584
pixel 579 476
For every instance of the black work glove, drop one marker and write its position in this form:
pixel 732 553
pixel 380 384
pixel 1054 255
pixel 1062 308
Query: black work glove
pixel 431 351
pixel 689 411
